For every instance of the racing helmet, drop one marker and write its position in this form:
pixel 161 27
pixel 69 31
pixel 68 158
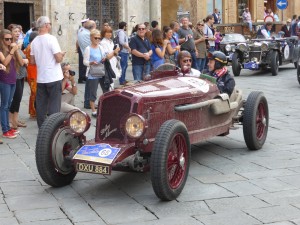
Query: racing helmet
pixel 219 57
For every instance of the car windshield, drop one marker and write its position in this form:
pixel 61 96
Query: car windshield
pixel 234 38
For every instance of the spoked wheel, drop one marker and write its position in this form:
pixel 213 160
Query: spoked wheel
pixel 255 120
pixel 170 160
pixel 274 63
pixel 236 65
pixel 53 147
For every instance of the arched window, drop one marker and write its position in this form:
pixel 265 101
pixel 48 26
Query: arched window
pixel 104 11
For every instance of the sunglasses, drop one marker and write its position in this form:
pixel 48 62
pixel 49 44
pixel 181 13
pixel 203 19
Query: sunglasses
pixel 200 24
pixel 8 39
pixel 97 38
pixel 141 28
pixel 187 60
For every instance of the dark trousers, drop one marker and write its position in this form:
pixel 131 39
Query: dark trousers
pixel 82 68
pixel 48 100
pixel 16 101
pixel 86 102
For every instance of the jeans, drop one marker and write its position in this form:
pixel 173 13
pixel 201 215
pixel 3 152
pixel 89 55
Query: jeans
pixel 194 60
pixel 124 65
pixel 250 25
pixel 139 71
pixel 48 100
pixel 201 63
pixel 7 92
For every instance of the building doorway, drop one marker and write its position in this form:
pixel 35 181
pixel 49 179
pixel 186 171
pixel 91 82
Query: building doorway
pixel 18 13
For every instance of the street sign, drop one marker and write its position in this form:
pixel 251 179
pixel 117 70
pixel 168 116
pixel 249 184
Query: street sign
pixel 282 4
pixel 269 19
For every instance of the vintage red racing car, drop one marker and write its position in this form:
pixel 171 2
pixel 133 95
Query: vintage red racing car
pixel 148 126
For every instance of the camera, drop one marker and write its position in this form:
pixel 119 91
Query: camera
pixel 116 46
pixel 72 73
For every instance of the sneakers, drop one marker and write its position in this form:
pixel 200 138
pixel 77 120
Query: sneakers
pixel 94 114
pixel 9 134
pixel 15 131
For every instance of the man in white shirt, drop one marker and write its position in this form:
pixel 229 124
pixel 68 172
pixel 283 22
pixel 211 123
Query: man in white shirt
pixel 47 55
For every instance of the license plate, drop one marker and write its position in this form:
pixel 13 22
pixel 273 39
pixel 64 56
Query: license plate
pixel 92 168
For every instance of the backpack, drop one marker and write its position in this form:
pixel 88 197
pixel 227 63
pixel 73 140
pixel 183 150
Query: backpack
pixel 116 41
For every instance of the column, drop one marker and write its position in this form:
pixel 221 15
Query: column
pixel 155 11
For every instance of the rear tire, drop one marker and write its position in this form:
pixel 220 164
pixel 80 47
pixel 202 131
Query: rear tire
pixel 236 65
pixel 255 120
pixel 274 63
pixel 53 145
pixel 170 160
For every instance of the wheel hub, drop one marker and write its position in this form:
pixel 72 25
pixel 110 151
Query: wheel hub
pixel 63 142
pixel 181 161
pixel 264 121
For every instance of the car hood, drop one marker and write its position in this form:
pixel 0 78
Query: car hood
pixel 171 86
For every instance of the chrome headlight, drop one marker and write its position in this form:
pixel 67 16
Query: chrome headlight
pixel 79 122
pixel 228 48
pixel 242 47
pixel 135 126
pixel 264 47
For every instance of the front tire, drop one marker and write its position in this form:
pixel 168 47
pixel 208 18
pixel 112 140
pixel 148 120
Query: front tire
pixel 53 146
pixel 236 65
pixel 170 160
pixel 274 63
pixel 255 120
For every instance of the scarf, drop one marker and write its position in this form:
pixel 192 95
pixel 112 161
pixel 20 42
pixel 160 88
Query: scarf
pixel 220 72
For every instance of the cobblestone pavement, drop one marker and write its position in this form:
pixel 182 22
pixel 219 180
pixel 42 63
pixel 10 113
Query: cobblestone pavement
pixel 227 184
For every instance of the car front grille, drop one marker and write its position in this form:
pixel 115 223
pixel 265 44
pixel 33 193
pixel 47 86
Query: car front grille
pixel 113 109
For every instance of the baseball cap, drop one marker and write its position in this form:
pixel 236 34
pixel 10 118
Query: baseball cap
pixel 83 21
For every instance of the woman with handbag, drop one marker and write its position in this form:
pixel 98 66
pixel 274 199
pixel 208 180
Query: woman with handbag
pixel 93 58
pixel 111 50
pixel 171 51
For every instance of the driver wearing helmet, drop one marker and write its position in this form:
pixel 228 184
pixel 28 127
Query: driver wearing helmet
pixel 217 68
pixel 184 61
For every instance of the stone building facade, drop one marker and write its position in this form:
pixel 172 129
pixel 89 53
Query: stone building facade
pixel 66 15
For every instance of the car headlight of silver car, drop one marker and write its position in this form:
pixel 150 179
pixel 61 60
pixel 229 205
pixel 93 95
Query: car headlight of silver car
pixel 242 47
pixel 135 126
pixel 79 122
pixel 264 46
pixel 228 47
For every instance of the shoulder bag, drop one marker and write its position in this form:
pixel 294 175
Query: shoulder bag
pixel 97 70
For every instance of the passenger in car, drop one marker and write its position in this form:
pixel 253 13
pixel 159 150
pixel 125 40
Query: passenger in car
pixel 217 68
pixel 184 61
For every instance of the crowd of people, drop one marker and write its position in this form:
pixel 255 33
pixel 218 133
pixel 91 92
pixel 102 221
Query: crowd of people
pixel 35 57
pixel 103 60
